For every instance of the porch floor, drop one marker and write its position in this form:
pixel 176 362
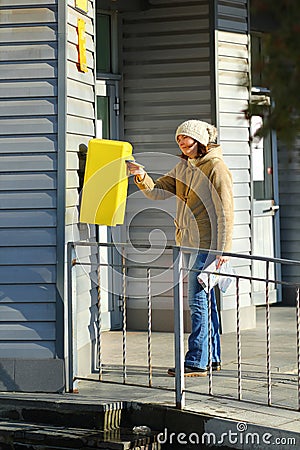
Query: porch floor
pixel 224 401
pixel 217 411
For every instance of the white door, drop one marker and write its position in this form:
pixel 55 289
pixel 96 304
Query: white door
pixel 266 237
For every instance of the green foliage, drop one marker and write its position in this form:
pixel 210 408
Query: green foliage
pixel 280 66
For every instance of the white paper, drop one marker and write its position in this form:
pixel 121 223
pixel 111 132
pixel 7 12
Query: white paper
pixel 223 281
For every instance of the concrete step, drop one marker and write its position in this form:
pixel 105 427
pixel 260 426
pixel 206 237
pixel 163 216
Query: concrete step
pixel 103 416
pixel 76 423
pixel 62 424
pixel 16 435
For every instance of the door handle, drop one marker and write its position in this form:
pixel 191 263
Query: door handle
pixel 272 208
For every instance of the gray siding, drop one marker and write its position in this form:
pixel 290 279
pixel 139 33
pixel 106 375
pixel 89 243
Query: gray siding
pixel 35 150
pixel 171 73
pixel 289 188
pixel 28 178
pixel 232 15
pixel 167 79
pixel 232 56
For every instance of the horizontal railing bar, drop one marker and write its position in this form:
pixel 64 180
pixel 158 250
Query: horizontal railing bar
pixel 245 277
pixel 142 266
pixel 132 266
pixel 185 249
pixel 160 388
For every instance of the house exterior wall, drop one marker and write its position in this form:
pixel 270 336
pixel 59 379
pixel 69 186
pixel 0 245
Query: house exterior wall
pixel 166 71
pixel 80 128
pixel 184 60
pixel 181 59
pixel 232 15
pixel 289 188
pixel 232 80
pixel 47 112
pixel 29 298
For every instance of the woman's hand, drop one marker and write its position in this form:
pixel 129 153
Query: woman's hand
pixel 221 260
pixel 136 170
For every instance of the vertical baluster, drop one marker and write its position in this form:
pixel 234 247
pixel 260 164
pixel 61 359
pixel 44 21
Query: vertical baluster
pixel 178 327
pixel 149 328
pixel 210 391
pixel 124 323
pixel 99 321
pixel 238 336
pixel 268 335
pixel 298 341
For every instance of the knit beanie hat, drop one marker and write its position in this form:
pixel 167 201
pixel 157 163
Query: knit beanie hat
pixel 200 131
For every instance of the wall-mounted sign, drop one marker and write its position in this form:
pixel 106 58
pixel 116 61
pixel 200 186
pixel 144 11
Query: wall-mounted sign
pixel 82 63
pixel 82 5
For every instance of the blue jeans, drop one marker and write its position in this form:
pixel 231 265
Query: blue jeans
pixel 197 354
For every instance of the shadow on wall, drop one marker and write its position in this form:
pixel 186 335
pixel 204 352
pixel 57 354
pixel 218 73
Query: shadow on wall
pixel 32 375
pixel 289 296
pixel 81 167
pixel 7 382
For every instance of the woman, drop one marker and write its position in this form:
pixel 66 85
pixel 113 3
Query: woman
pixel 202 184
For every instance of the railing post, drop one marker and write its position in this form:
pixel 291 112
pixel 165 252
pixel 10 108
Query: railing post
pixel 99 324
pixel 178 327
pixel 268 333
pixel 209 318
pixel 124 318
pixel 298 341
pixel 238 337
pixel 149 342
pixel 72 353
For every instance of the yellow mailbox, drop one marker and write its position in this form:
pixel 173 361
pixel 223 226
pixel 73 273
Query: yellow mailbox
pixel 104 193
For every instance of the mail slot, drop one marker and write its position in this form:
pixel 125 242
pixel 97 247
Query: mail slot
pixel 104 193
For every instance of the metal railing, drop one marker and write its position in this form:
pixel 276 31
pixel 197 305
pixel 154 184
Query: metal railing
pixel 178 275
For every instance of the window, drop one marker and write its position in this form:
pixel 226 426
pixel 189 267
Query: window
pixel 262 163
pixel 103 43
pixel 256 60
pixel 261 147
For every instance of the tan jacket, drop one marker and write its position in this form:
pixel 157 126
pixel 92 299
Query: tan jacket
pixel 204 200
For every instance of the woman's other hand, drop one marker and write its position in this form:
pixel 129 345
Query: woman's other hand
pixel 221 260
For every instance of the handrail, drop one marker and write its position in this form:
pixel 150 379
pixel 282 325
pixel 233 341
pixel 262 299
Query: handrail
pixel 186 249
pixel 178 270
